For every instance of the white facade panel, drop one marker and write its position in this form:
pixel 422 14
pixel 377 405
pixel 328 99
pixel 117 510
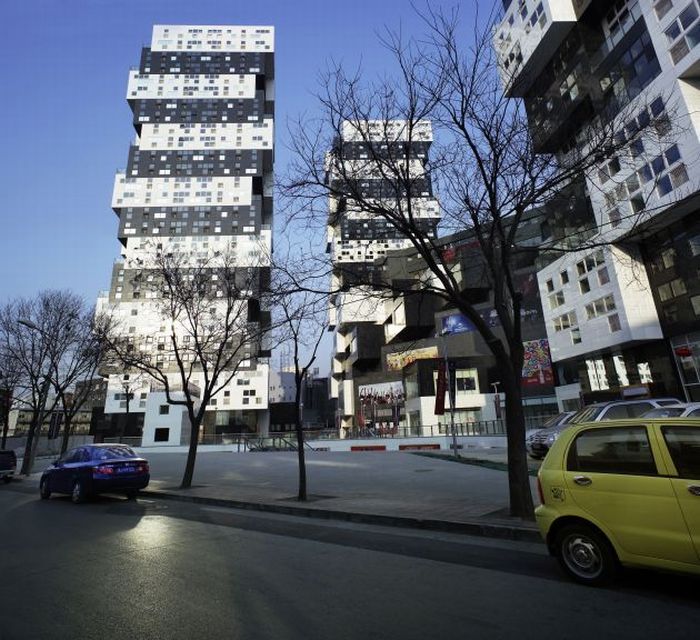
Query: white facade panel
pixel 604 303
pixel 182 191
pixel 192 86
pixel 212 38
pixel 194 136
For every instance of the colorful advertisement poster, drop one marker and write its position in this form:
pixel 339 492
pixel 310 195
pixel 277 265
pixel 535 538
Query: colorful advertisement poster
pixel 380 407
pixel 398 360
pixel 537 363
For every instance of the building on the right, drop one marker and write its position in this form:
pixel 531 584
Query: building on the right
pixel 623 315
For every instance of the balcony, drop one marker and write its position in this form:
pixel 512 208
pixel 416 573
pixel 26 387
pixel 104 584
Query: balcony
pixel 529 34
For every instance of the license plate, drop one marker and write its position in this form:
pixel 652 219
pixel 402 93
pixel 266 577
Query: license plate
pixel 127 469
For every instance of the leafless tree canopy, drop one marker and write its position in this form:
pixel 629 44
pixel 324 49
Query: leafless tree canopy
pixel 52 343
pixel 489 171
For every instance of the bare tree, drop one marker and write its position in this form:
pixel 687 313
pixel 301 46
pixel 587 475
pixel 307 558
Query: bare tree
pixel 488 165
pixel 53 341
pixel 75 365
pixel 212 310
pixel 302 324
pixel 10 380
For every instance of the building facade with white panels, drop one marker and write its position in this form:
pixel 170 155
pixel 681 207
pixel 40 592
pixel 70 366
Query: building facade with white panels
pixel 356 239
pixel 198 183
pixel 623 317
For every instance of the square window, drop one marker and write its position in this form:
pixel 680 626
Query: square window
pixel 688 15
pixel 679 51
pixel 664 187
pixel 645 174
pixel 614 323
pixel 673 154
pixel 679 176
pixel 658 165
pixel 164 409
pixel 662 8
pixel 162 434
pixel 657 107
pixel 695 301
pixel 614 217
pixel 636 147
pixel 637 203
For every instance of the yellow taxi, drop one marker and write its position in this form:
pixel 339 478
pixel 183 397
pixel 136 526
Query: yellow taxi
pixel 622 492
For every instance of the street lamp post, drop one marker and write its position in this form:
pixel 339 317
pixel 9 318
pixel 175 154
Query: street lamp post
pixel 497 399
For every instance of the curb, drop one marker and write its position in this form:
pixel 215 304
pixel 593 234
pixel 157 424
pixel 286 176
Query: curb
pixel 474 527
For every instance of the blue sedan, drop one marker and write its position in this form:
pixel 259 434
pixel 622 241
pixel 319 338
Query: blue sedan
pixel 93 469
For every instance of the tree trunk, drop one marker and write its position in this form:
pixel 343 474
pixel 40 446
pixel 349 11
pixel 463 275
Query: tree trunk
pixel 195 422
pixel 29 446
pixel 521 504
pixel 66 432
pixel 6 420
pixel 302 460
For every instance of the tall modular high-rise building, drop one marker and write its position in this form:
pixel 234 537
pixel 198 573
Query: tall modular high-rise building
pixel 197 184
pixel 358 241
pixel 623 317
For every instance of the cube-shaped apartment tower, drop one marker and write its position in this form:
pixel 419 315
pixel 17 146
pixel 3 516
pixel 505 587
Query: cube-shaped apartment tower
pixel 198 180
pixel 357 239
pixel 623 319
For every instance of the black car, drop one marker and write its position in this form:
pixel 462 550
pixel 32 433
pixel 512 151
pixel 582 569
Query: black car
pixel 93 469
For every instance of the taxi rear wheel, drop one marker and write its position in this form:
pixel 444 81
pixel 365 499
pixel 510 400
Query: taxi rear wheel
pixel 586 555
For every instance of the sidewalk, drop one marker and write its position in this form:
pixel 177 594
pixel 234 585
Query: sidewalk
pixel 400 489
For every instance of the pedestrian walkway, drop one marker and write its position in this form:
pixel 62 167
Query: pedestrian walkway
pixel 388 488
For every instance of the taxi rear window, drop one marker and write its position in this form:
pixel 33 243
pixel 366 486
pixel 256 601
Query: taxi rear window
pixel 619 450
pixel 683 444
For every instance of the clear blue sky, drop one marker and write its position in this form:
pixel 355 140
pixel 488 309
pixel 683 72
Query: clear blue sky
pixel 67 126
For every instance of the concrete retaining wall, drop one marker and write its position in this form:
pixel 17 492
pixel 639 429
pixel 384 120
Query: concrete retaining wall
pixel 368 444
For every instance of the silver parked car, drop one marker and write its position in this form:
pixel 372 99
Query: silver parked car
pixel 680 410
pixel 538 444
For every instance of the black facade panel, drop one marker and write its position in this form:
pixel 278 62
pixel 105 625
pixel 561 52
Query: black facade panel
pixel 210 62
pixel 197 110
pixel 191 221
pixel 208 162
pixel 386 189
pixel 395 150
pixel 380 229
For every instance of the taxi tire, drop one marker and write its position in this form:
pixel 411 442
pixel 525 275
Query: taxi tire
pixel 590 540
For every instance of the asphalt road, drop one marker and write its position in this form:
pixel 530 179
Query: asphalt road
pixel 113 569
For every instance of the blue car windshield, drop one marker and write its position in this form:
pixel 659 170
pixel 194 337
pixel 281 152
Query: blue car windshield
pixel 110 453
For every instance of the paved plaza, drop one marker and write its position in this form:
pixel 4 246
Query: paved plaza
pixel 395 484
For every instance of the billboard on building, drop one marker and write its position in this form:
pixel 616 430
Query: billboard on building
pixel 537 363
pixel 380 406
pixel 399 359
